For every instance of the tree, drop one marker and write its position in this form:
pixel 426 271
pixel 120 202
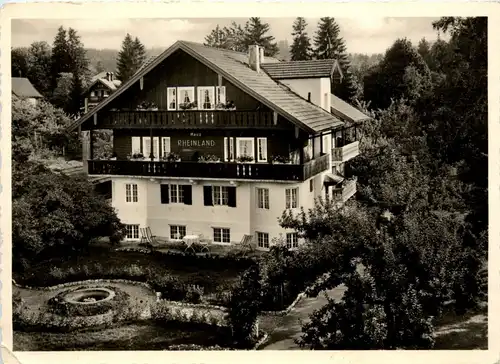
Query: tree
pixel 255 33
pixel 216 38
pixel 130 58
pixel 39 60
pixel 61 96
pixel 424 50
pixel 389 80
pixel 55 214
pixel 329 45
pixel 301 46
pixel 19 62
pixel 60 56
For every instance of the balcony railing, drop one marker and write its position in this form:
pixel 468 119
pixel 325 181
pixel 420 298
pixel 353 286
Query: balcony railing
pixel 343 154
pixel 252 171
pixel 190 119
pixel 345 192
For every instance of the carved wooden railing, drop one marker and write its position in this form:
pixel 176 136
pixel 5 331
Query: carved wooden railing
pixel 252 171
pixel 345 192
pixel 189 119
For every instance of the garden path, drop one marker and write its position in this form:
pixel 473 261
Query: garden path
pixel 283 330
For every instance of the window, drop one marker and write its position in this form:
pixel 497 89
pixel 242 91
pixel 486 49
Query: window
pixel 222 235
pixel 176 194
pixel 165 146
pixel 291 198
pixel 185 95
pixel 245 147
pixel 132 232
pixel 263 198
pixel 92 93
pixel 172 98
pixel 262 149
pixel 177 232
pixel 136 145
pixel 106 93
pixel 311 185
pixel 292 240
pixel 221 94
pixel 206 98
pixel 146 147
pixel 220 195
pixel 131 193
pixel 324 150
pixel 229 150
pixel 263 240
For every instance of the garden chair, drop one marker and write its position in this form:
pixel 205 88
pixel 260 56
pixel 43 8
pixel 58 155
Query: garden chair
pixel 148 238
pixel 204 243
pixel 246 243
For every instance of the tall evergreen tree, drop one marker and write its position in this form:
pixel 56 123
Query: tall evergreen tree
pixel 301 46
pixel 130 58
pixel 424 49
pixel 255 33
pixel 60 56
pixel 39 60
pixel 216 38
pixel 329 45
pixel 79 68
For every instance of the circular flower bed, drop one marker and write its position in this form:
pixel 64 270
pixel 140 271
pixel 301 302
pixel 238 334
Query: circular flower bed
pixel 87 301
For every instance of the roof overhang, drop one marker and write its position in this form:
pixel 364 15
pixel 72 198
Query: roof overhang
pixel 333 179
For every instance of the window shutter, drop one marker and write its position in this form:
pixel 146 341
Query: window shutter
pixel 146 146
pixel 164 194
pixel 188 194
pixel 231 196
pixel 165 146
pixel 207 196
pixel 226 157
pixel 221 94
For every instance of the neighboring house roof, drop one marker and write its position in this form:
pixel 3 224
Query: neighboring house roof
pixel 22 87
pixel 102 78
pixel 344 110
pixel 317 68
pixel 234 67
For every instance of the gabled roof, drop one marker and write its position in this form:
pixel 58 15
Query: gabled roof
pixel 234 67
pixel 345 111
pixel 317 68
pixel 22 87
pixel 102 78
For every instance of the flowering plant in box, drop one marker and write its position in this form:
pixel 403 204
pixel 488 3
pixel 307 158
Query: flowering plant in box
pixel 209 158
pixel 171 157
pixel 280 159
pixel 244 158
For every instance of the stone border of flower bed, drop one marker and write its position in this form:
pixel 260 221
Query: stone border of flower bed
pixel 88 281
pixel 262 341
pixel 288 309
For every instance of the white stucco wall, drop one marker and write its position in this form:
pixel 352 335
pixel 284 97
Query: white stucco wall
pixel 243 219
pixel 318 87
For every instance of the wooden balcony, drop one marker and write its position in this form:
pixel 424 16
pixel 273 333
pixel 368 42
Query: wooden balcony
pixel 248 171
pixel 191 119
pixel 345 192
pixel 343 154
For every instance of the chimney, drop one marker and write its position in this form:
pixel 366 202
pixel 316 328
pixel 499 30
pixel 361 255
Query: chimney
pixel 261 54
pixel 111 76
pixel 107 76
pixel 253 58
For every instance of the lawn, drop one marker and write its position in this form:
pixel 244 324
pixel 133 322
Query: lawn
pixel 148 335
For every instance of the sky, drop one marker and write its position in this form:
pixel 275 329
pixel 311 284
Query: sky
pixel 361 34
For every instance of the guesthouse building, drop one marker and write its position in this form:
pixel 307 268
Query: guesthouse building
pixel 219 143
pixel 101 87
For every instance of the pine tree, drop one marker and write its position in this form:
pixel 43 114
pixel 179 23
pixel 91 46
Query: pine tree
pixel 39 61
pixel 424 49
pixel 255 33
pixel 79 67
pixel 216 38
pixel 329 45
pixel 139 54
pixel 127 63
pixel 60 56
pixel 301 46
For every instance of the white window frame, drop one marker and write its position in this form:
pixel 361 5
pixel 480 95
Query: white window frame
pixel 220 95
pixel 289 198
pixel 178 232
pixel 325 143
pixel 230 157
pixel 238 152
pixel 176 194
pixel 180 95
pixel 136 145
pixel 223 233
pixel 131 193
pixel 146 150
pixel 201 97
pixel 262 143
pixel 172 96
pixel 134 232
pixel 165 146
pixel 262 198
pixel 262 240
pixel 220 195
pixel 292 240
pixel 92 94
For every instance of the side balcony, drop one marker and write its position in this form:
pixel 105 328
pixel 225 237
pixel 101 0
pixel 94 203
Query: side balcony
pixel 187 169
pixel 346 191
pixel 344 153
